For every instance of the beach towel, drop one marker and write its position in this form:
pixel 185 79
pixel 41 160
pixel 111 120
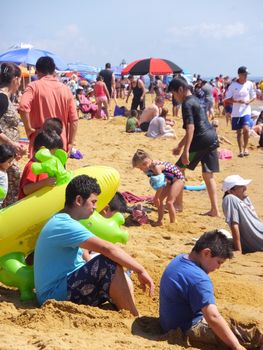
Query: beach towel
pixel 133 198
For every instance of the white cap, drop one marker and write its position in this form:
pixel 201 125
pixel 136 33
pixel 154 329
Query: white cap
pixel 234 180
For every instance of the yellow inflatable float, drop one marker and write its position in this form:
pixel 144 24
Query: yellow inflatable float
pixel 21 223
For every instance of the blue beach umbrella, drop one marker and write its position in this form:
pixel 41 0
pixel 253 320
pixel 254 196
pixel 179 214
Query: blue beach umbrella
pixel 30 56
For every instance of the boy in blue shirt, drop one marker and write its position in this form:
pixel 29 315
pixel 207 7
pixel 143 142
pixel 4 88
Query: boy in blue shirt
pixel 60 271
pixel 187 295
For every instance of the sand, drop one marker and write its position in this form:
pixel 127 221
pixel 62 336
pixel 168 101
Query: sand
pixel 238 284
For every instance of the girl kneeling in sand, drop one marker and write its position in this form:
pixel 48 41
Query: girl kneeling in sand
pixel 166 178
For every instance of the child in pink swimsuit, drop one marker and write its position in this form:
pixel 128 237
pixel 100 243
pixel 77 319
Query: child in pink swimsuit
pixel 102 97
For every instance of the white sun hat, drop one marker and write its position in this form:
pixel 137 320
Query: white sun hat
pixel 234 180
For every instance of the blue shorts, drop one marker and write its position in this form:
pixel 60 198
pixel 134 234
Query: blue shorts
pixel 239 123
pixel 228 108
pixel 90 284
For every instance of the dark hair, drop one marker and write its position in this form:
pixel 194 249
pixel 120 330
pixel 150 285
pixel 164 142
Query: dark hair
pixel 134 113
pixel 177 83
pixel 260 142
pixel 260 118
pixel 49 139
pixel 139 157
pixel 217 242
pixel 107 65
pixel 45 65
pixel 118 203
pixel 6 152
pixel 82 185
pixel 9 71
pixel 99 78
pixel 53 124
pixel 78 91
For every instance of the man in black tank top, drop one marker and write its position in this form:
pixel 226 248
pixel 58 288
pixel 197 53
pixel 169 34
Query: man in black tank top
pixel 109 78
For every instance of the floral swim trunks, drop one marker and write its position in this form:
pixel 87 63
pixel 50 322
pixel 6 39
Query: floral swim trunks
pixel 90 284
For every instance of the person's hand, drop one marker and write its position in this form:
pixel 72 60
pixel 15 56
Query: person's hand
pixel 29 131
pixel 50 181
pixel 145 279
pixel 177 150
pixel 185 158
pixel 141 99
pixel 20 150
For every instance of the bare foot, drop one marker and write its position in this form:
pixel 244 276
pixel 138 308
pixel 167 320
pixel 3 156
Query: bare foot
pixel 157 223
pixel 213 213
pixel 178 209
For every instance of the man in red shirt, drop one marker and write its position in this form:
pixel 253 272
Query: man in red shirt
pixel 48 97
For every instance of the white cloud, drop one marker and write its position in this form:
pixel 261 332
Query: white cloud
pixel 209 30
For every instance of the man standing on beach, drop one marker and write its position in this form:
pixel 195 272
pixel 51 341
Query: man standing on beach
pixel 48 97
pixel 200 142
pixel 241 93
pixel 109 79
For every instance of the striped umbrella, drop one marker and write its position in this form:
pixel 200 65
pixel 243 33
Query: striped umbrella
pixel 155 66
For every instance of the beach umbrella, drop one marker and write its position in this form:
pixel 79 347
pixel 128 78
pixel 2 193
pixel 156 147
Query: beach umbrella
pixel 30 56
pixel 155 66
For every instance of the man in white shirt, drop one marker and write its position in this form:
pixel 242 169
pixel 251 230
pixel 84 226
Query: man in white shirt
pixel 241 93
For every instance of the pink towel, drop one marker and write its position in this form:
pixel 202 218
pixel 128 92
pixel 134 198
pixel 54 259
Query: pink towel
pixel 225 154
pixel 132 198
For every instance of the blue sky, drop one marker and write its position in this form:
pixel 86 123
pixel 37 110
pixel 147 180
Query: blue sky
pixel 202 36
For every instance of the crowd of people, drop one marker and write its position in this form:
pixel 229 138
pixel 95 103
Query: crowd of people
pixel 63 267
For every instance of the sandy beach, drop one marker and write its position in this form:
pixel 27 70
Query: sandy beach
pixel 238 284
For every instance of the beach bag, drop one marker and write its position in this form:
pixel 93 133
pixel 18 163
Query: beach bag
pixel 119 111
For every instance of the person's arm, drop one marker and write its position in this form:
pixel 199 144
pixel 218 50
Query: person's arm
pixel 119 256
pixel 129 92
pixel 20 149
pixel 236 236
pixel 25 108
pixel 113 85
pixel 106 91
pixel 252 95
pixel 26 121
pixel 162 125
pixel 73 127
pixel 177 150
pixel 189 133
pixel 157 169
pixel 34 186
pixel 220 327
pixel 141 85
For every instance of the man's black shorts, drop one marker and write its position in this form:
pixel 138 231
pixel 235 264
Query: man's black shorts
pixel 208 158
